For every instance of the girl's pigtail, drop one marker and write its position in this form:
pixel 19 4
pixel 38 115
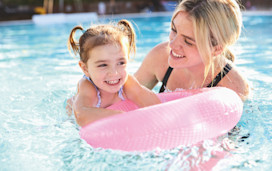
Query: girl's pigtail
pixel 130 33
pixel 72 43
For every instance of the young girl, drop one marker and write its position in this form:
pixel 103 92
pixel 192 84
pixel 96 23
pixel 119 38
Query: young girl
pixel 104 52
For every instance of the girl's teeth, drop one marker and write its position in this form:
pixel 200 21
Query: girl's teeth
pixel 112 82
pixel 176 55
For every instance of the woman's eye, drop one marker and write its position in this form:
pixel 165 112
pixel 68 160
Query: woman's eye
pixel 173 29
pixel 188 43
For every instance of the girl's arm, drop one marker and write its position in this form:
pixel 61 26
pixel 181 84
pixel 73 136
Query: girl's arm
pixel 139 94
pixel 84 102
pixel 139 90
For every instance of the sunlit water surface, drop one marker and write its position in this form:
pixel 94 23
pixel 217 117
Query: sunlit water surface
pixel 38 75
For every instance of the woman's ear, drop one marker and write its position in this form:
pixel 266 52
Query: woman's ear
pixel 84 68
pixel 217 50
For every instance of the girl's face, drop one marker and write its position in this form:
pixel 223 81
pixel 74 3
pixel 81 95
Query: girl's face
pixel 184 52
pixel 107 67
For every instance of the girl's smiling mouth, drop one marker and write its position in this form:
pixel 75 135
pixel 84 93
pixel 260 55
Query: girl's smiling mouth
pixel 113 82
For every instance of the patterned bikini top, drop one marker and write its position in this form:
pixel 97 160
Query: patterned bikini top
pixel 120 92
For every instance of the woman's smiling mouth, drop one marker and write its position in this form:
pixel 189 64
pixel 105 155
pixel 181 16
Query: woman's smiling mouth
pixel 176 55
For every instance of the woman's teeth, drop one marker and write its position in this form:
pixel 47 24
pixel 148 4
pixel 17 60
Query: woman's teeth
pixel 176 55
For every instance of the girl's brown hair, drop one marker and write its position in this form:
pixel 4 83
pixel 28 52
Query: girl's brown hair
pixel 102 35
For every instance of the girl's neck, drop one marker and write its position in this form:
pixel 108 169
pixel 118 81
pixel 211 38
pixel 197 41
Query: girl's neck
pixel 107 98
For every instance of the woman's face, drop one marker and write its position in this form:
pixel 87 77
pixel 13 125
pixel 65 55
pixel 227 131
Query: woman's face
pixel 183 49
pixel 107 67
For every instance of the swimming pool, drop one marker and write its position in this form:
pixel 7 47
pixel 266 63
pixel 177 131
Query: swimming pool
pixel 38 74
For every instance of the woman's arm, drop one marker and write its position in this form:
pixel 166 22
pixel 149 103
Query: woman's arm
pixel 153 66
pixel 84 102
pixel 139 94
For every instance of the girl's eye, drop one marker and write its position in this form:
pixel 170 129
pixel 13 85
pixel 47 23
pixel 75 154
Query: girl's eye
pixel 188 43
pixel 122 63
pixel 102 65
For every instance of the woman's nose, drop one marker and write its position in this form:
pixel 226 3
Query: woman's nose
pixel 173 43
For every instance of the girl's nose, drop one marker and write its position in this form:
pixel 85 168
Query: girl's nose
pixel 113 71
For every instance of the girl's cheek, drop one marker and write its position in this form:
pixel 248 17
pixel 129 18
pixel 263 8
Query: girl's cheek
pixel 125 73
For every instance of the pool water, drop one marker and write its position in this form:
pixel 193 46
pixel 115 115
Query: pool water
pixel 38 75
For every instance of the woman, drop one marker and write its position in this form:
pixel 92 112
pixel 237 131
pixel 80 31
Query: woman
pixel 197 53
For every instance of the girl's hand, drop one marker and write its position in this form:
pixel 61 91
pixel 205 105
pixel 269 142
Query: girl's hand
pixel 69 106
pixel 139 94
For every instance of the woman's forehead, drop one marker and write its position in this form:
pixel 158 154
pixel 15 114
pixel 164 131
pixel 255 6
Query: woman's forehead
pixel 183 24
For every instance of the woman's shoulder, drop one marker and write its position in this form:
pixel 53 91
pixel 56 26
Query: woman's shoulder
pixel 158 56
pixel 160 49
pixel 153 66
pixel 237 82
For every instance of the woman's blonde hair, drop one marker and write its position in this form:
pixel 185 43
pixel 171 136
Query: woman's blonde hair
pixel 216 23
pixel 102 35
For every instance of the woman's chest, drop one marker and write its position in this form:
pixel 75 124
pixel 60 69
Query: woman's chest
pixel 179 79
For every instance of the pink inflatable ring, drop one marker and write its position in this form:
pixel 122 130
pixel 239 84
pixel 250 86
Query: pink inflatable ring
pixel 183 118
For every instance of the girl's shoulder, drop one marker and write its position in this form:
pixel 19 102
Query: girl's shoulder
pixel 86 87
pixel 86 94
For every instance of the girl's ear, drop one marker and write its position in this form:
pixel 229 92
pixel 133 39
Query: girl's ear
pixel 84 68
pixel 217 50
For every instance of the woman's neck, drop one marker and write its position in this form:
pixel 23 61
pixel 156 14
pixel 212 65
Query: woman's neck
pixel 194 79
pixel 196 75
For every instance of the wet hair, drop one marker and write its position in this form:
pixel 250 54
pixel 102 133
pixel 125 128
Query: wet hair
pixel 121 33
pixel 216 23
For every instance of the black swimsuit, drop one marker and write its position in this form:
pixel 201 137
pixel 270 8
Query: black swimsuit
pixel 216 80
